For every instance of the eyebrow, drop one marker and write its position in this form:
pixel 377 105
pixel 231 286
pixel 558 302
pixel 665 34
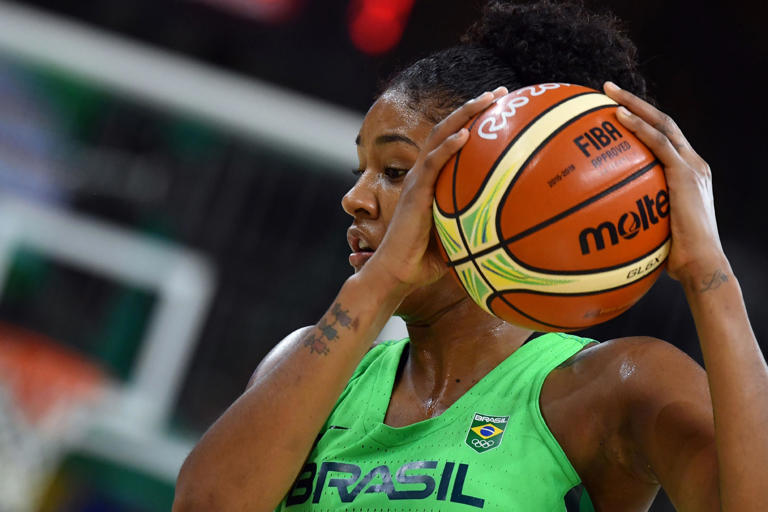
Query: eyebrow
pixel 389 138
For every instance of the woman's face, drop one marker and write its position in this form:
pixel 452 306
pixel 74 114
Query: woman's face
pixel 387 147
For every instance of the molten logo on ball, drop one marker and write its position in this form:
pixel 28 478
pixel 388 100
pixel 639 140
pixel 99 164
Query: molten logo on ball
pixel 642 219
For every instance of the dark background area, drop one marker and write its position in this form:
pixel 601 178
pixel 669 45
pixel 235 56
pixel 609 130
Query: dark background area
pixel 275 228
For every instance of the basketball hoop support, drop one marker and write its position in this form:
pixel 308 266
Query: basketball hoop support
pixel 183 280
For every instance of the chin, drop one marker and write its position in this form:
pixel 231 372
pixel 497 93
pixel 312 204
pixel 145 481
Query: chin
pixel 424 301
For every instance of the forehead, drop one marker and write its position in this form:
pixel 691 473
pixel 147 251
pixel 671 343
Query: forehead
pixel 391 114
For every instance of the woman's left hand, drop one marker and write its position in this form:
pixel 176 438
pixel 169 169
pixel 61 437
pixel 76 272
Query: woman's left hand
pixel 695 239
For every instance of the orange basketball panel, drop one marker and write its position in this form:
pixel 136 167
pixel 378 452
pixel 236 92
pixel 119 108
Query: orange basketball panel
pixel 444 188
pixel 563 174
pixel 614 229
pixel 508 117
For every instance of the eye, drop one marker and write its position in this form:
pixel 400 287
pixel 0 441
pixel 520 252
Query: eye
pixel 395 173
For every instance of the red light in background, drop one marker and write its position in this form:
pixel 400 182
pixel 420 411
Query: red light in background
pixel 376 26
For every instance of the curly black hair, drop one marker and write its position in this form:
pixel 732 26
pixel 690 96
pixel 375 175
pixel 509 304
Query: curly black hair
pixel 518 44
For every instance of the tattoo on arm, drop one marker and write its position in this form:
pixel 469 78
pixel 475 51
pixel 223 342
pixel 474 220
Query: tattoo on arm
pixel 316 344
pixel 328 329
pixel 714 281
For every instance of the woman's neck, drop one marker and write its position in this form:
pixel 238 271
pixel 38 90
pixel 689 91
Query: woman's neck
pixel 452 347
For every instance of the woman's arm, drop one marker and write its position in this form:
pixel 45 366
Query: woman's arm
pixel 738 383
pixel 249 458
pixel 737 374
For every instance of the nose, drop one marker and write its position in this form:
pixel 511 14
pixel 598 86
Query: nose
pixel 361 199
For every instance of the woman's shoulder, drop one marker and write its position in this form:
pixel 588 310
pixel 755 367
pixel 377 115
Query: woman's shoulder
pixel 282 349
pixel 636 361
pixel 605 403
pixel 624 372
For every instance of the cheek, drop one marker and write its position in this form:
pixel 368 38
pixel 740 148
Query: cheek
pixel 388 199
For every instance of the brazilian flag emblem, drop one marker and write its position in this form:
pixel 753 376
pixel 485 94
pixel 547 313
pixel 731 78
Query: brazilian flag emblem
pixel 486 432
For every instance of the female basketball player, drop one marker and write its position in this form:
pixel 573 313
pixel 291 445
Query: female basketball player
pixel 463 416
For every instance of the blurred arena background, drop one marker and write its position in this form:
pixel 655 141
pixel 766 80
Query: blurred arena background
pixel 170 178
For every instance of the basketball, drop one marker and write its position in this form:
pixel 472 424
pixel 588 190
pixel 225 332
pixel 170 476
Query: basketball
pixel 553 216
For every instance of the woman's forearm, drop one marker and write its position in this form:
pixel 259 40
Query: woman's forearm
pixel 249 458
pixel 738 382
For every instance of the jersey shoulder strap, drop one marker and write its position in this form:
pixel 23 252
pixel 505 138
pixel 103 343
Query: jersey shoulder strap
pixel 383 350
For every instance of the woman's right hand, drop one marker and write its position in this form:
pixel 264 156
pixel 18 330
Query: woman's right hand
pixel 408 253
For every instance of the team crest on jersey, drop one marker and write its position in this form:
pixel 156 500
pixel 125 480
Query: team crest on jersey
pixel 486 432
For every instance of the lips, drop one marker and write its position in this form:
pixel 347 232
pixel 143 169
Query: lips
pixel 362 248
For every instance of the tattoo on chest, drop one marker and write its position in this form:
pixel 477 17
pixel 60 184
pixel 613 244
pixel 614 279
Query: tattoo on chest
pixel 714 281
pixel 327 329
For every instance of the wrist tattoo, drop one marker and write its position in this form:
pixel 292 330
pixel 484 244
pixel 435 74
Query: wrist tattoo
pixel 327 329
pixel 714 281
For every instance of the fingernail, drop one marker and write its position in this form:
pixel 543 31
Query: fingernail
pixel 623 111
pixel 501 88
pixel 612 86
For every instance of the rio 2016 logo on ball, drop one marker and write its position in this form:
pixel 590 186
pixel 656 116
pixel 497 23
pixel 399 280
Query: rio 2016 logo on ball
pixel 553 216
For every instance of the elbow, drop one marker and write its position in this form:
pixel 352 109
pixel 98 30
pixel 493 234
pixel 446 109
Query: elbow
pixel 198 500
pixel 202 490
pixel 195 492
pixel 183 503
pixel 185 498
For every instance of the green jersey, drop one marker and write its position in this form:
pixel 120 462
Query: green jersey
pixel 491 450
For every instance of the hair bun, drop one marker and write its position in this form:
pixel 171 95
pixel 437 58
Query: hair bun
pixel 547 41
